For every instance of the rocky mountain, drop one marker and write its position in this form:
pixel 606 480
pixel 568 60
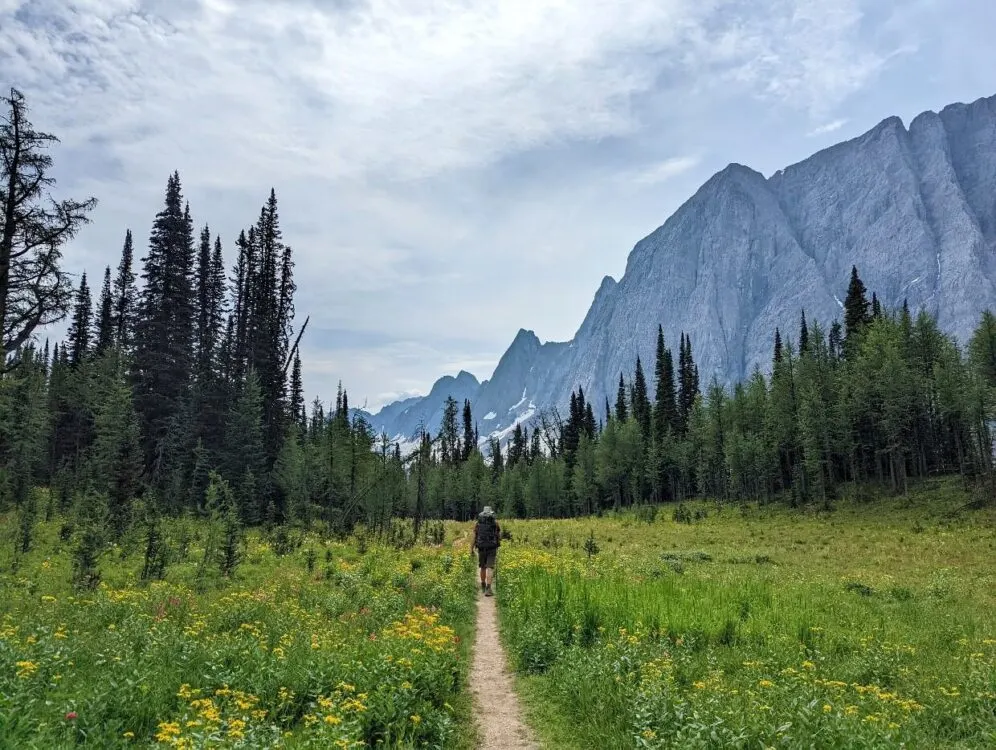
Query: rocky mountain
pixel 913 208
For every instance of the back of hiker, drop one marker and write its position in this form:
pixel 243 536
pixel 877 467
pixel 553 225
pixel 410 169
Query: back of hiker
pixel 487 540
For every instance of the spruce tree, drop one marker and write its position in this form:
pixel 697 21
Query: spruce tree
pixel 449 442
pixel 105 333
pixel 125 297
pixel 298 415
pixel 116 457
pixel 163 363
pixel 535 450
pixel 803 335
pixel 79 329
pixel 570 436
pixel 665 396
pixel 590 427
pixel 469 441
pixel 688 386
pixel 622 411
pixel 245 451
pixel 856 315
pixel 497 462
pixel 641 399
pixel 206 328
pixel 835 340
pixel 778 347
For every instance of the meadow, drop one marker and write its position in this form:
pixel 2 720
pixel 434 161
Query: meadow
pixel 311 642
pixel 871 626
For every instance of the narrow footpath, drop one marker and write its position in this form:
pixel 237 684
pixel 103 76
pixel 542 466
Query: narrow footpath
pixel 496 705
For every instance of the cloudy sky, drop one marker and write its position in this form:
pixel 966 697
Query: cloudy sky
pixel 449 171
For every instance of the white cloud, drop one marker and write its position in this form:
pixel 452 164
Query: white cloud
pixel 388 127
pixel 665 170
pixel 399 89
pixel 829 127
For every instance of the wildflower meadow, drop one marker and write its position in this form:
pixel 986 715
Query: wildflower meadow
pixel 310 643
pixel 758 628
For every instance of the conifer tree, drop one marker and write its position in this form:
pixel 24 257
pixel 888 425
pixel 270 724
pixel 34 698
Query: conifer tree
pixel 449 442
pixel 982 348
pixel 856 314
pixel 688 386
pixel 535 450
pixel 497 461
pixel 245 451
pixel 104 334
pixel 125 297
pixel 835 341
pixel 469 440
pixel 622 411
pixel 803 335
pixel 570 436
pixel 207 327
pixel 163 364
pixel 116 459
pixel 517 448
pixel 33 229
pixel 641 399
pixel 79 329
pixel 778 347
pixel 298 415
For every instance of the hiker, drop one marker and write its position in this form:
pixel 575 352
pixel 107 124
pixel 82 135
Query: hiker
pixel 487 540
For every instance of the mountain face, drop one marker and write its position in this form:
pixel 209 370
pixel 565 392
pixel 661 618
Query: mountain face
pixel 914 209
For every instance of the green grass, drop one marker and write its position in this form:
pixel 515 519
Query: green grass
pixel 368 648
pixel 870 626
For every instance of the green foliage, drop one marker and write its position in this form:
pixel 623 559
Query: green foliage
pixel 256 660
pixel 590 545
pixel 857 637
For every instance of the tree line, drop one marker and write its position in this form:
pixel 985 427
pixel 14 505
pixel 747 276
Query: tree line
pixel 177 392
pixel 878 400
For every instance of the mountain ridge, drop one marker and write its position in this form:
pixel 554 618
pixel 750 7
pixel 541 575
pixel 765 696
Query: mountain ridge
pixel 913 208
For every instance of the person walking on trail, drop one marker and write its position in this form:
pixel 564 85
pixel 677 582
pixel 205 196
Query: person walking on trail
pixel 487 540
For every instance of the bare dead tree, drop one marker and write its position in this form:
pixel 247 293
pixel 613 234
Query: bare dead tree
pixel 33 228
pixel 293 350
pixel 551 428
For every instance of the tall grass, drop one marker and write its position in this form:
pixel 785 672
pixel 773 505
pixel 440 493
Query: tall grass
pixel 326 644
pixel 764 628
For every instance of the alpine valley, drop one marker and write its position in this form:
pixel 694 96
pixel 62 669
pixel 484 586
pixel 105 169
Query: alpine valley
pixel 914 209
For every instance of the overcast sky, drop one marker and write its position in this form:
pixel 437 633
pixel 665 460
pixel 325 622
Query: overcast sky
pixel 450 171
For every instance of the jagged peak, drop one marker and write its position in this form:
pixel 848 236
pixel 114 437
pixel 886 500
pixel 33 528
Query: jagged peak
pixel 525 337
pixel 889 123
pixel 731 174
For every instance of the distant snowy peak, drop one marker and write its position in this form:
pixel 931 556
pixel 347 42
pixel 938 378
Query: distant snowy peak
pixel 914 209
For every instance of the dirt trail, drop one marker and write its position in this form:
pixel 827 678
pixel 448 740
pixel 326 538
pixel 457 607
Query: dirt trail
pixel 495 702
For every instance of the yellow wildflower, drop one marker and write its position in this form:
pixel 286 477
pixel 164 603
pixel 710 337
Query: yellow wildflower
pixel 167 731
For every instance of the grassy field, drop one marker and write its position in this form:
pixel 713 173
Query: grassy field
pixel 872 626
pixel 327 644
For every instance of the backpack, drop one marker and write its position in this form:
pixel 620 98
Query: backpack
pixel 487 532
